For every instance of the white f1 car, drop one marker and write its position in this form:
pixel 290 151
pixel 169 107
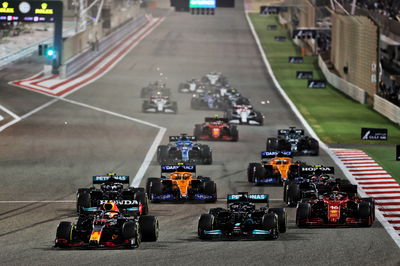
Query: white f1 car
pixel 244 114
pixel 160 104
pixel 192 86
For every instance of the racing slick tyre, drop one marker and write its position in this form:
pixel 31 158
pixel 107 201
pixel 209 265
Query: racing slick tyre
pixel 197 130
pixel 130 230
pixel 155 189
pixel 372 202
pixel 292 194
pixel 148 228
pixel 84 200
pixel 303 213
pixel 141 197
pixel 162 154
pixel 64 231
pixel 148 183
pixel 251 170
pixel 175 107
pixel 210 189
pixel 145 106
pixel 272 144
pixel 364 211
pixel 259 118
pixel 270 222
pixel 314 146
pixel 282 218
pixel 206 155
pixel 234 133
pixel 206 223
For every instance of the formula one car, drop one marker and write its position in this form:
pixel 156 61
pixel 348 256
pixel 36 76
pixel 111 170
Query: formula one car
pixel 192 86
pixel 275 168
pixel 184 148
pixel 214 78
pixel 215 128
pixel 112 189
pixel 181 184
pixel 106 227
pixel 155 88
pixel 210 100
pixel 293 140
pixel 159 104
pixel 335 208
pixel 244 114
pixel 242 219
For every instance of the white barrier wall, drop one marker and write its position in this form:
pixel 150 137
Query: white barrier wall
pixel 344 86
pixel 387 109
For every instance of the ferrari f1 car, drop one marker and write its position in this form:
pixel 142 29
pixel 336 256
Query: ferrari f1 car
pixel 154 89
pixel 184 148
pixel 191 86
pixel 106 227
pixel 215 128
pixel 159 104
pixel 112 189
pixel 293 140
pixel 241 219
pixel 244 114
pixel 336 208
pixel 181 184
pixel 275 168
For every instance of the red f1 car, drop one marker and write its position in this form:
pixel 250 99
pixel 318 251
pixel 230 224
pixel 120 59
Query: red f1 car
pixel 215 128
pixel 336 209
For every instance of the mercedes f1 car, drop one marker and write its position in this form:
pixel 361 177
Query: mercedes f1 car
pixel 191 86
pixel 181 184
pixel 215 128
pixel 107 227
pixel 275 168
pixel 112 189
pixel 244 114
pixel 184 148
pixel 154 89
pixel 214 78
pixel 159 104
pixel 293 140
pixel 242 219
pixel 336 208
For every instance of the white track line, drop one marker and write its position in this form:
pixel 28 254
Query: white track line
pixel 389 228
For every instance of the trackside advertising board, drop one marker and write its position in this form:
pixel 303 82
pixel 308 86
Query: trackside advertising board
pixel 374 133
pixel 202 3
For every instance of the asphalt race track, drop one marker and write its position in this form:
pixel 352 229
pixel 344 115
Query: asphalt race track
pixel 44 158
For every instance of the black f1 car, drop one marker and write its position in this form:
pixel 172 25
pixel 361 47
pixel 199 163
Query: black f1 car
pixel 209 100
pixel 181 184
pixel 293 140
pixel 244 115
pixel 185 149
pixel 108 227
pixel 215 128
pixel 336 208
pixel 154 89
pixel 112 189
pixel 160 104
pixel 242 219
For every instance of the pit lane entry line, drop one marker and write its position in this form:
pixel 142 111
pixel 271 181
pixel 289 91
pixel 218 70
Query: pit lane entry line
pixel 388 227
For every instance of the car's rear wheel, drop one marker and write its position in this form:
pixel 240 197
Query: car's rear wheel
pixel 83 201
pixel 303 214
pixel 210 189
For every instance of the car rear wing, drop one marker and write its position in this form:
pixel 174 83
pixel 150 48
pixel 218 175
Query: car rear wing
pixel 272 154
pixel 286 131
pixel 174 168
pixel 244 196
pixel 310 170
pixel 177 138
pixel 100 179
pixel 216 119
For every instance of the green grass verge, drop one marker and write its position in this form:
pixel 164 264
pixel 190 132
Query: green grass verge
pixel 335 117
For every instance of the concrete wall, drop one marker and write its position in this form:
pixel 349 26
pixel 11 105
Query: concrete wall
pixel 355 48
pixel 387 109
pixel 344 86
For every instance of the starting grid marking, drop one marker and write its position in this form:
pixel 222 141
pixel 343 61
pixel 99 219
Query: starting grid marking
pixel 375 182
